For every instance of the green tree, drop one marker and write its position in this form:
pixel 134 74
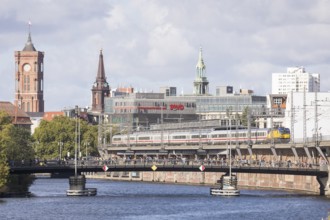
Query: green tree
pixel 5 121
pixel 244 118
pixel 59 135
pixel 18 143
pixel 15 145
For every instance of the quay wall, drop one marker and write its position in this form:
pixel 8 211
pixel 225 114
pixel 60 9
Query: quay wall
pixel 269 181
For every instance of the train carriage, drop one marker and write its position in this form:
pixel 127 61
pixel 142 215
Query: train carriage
pixel 213 137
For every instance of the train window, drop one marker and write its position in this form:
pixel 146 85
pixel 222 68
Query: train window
pixel 144 138
pixel 179 137
pixel 219 135
pixel 197 136
pixel 260 134
pixel 117 139
pixel 132 138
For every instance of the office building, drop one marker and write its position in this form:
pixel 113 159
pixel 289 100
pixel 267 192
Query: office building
pixel 295 79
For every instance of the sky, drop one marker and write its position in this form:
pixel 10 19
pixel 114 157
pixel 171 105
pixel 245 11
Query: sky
pixel 148 44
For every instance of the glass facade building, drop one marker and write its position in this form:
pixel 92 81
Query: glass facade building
pixel 140 110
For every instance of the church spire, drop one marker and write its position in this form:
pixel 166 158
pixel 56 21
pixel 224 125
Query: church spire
pixel 201 84
pixel 101 88
pixel 100 71
pixel 200 67
pixel 29 45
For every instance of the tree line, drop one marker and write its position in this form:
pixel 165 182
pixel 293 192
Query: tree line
pixel 51 140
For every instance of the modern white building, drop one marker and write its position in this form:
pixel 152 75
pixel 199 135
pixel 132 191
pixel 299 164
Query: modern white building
pixel 308 116
pixel 295 79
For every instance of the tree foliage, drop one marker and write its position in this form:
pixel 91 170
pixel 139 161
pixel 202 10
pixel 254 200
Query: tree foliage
pixel 4 169
pixel 15 145
pixel 18 143
pixel 60 136
pixel 244 118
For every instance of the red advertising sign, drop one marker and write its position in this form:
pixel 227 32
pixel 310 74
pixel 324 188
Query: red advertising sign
pixel 175 107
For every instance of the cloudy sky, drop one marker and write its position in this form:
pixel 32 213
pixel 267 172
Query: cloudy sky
pixel 148 44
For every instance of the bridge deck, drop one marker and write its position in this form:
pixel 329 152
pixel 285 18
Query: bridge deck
pixel 168 167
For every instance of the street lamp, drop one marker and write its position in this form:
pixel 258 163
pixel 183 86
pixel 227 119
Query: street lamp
pixel 60 144
pixel 86 144
pixel 76 140
pixel 36 145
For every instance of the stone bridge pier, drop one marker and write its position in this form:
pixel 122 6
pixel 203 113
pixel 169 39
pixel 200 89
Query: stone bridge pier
pixel 324 182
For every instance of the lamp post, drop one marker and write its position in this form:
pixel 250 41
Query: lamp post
pixel 86 144
pixel 76 141
pixel 36 146
pixel 60 144
pixel 229 135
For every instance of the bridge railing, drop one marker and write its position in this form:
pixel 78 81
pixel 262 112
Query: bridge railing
pixel 234 162
pixel 148 162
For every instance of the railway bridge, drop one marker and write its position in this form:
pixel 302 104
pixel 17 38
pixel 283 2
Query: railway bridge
pixel 309 153
pixel 300 155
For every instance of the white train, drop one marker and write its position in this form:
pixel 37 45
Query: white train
pixel 210 137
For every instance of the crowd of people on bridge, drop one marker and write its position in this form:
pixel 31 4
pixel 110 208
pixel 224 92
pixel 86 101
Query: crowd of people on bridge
pixel 215 161
pixel 208 161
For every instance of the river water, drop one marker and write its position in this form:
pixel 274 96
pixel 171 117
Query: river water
pixel 139 200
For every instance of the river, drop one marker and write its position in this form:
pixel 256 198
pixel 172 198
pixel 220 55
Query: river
pixel 140 200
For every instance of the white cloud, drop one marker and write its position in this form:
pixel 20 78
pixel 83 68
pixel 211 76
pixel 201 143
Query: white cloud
pixel 116 18
pixel 167 46
pixel 147 44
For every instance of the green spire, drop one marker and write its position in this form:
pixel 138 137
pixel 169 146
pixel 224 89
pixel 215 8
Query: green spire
pixel 200 67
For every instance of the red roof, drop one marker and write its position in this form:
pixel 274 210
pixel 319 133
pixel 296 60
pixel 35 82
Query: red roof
pixel 17 114
pixel 48 116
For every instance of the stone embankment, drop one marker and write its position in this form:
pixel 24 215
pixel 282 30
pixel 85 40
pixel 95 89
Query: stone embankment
pixel 269 181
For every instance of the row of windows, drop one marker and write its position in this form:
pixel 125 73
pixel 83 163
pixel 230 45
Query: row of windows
pixel 177 137
pixel 155 104
pixel 180 137
pixel 225 100
pixel 198 136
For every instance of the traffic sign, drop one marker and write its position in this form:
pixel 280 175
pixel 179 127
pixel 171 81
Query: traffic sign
pixel 105 168
pixel 202 168
pixel 154 167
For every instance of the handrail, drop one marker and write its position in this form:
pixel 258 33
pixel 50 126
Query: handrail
pixel 170 167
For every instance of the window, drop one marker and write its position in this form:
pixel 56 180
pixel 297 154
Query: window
pixel 219 135
pixel 197 136
pixel 180 137
pixel 144 138
pixel 26 83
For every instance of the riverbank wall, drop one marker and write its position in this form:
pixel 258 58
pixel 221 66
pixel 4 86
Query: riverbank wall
pixel 269 181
